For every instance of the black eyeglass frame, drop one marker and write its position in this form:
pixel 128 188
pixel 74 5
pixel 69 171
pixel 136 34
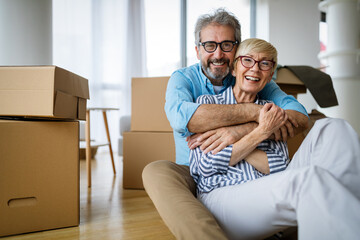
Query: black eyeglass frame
pixel 258 62
pixel 219 43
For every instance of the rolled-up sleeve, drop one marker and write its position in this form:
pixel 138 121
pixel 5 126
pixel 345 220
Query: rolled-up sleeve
pixel 180 103
pixel 277 154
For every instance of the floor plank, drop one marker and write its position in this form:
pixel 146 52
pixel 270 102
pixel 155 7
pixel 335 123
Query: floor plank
pixel 107 211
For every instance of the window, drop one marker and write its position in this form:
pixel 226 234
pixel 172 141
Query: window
pixel 163 30
pixel 195 8
pixel 162 24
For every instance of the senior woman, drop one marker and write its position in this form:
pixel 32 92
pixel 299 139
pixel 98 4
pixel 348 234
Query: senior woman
pixel 249 186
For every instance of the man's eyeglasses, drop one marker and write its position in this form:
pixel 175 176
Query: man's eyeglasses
pixel 249 62
pixel 211 46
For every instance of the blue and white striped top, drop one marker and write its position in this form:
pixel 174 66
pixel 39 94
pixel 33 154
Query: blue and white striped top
pixel 213 171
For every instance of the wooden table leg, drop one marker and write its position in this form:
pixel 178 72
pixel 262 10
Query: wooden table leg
pixel 109 140
pixel 88 147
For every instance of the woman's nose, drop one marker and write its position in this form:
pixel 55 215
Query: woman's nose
pixel 255 67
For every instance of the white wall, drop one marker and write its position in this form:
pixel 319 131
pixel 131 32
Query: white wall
pixel 25 32
pixel 292 26
pixel 343 57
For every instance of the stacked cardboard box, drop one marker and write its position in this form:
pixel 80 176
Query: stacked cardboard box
pixel 151 136
pixel 39 146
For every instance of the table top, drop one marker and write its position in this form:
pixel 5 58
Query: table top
pixel 102 108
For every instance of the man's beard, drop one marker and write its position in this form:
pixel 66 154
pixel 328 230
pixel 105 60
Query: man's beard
pixel 216 76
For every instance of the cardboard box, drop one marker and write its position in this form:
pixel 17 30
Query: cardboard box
pixel 42 91
pixel 39 175
pixel 147 104
pixel 289 83
pixel 142 148
pixel 294 144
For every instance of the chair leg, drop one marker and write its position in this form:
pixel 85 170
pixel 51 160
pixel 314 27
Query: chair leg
pixel 109 140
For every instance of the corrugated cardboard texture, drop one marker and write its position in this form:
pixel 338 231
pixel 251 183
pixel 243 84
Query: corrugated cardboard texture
pixel 39 175
pixel 147 104
pixel 42 91
pixel 142 148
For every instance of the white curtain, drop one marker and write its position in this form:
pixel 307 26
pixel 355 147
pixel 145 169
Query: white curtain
pixel 136 45
pixel 103 41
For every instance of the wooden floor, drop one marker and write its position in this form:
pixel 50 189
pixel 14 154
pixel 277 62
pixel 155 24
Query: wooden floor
pixel 107 211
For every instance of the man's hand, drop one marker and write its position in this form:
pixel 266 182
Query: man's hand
pixel 296 123
pixel 218 139
pixel 194 140
pixel 213 140
pixel 287 130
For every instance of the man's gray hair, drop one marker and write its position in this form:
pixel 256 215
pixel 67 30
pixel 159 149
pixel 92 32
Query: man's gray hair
pixel 220 16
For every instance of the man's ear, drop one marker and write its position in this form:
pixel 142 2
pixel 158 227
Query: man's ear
pixel 197 52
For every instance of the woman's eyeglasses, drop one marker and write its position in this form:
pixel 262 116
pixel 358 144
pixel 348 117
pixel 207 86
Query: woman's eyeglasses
pixel 249 62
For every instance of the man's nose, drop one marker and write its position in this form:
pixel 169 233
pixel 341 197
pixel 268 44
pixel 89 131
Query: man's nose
pixel 218 52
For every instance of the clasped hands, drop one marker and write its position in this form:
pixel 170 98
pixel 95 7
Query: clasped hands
pixel 217 139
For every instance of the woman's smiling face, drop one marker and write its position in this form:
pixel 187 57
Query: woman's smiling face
pixel 252 80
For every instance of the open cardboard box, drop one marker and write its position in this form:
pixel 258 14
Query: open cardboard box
pixel 42 91
pixel 289 83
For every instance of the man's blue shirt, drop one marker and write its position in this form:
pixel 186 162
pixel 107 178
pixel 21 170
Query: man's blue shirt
pixel 187 84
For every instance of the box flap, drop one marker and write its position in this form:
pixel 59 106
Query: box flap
pixel 289 83
pixel 71 83
pixel 319 84
pixel 65 105
pixel 81 112
pixel 285 76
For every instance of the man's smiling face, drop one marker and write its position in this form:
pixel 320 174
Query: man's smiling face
pixel 216 65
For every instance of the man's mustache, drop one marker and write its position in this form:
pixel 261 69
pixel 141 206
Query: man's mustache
pixel 221 60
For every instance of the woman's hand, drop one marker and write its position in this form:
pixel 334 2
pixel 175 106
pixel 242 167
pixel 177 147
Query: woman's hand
pixel 214 140
pixel 271 118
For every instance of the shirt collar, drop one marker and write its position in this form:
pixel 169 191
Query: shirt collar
pixel 228 81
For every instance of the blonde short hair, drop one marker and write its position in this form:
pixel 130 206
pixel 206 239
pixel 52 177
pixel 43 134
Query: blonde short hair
pixel 256 45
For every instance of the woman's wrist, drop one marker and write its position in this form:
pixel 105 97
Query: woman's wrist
pixel 261 133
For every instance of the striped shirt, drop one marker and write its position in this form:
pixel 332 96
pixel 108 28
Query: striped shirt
pixel 213 171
